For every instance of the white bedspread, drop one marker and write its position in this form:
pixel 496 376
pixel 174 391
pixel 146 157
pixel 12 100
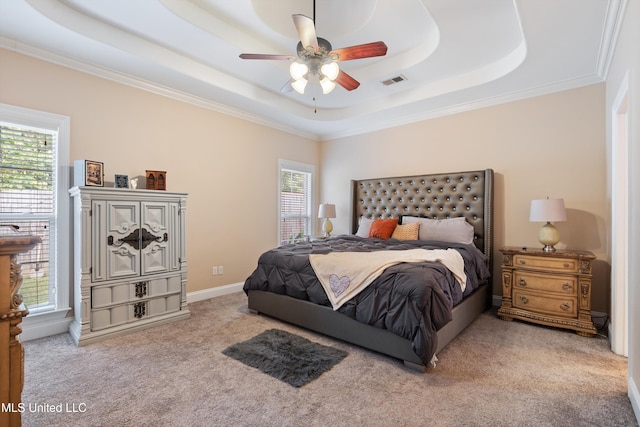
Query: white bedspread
pixel 345 274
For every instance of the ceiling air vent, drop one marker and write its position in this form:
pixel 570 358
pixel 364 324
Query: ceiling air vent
pixel 394 80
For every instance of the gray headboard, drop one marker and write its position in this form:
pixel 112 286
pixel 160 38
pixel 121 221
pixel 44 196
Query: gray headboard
pixel 436 196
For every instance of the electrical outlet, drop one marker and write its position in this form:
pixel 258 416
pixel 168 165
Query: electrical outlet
pixel 214 271
pixel 220 269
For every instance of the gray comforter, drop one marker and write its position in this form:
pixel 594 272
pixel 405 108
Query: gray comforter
pixel 412 300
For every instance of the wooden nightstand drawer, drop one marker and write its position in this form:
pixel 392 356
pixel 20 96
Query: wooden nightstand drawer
pixel 567 265
pixel 557 306
pixel 541 282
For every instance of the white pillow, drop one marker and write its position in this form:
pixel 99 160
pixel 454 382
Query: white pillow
pixel 363 227
pixel 454 230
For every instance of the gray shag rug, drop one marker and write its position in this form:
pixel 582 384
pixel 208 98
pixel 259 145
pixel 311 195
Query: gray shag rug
pixel 287 357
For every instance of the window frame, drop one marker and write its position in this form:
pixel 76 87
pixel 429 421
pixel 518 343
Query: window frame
pixel 54 321
pixel 284 164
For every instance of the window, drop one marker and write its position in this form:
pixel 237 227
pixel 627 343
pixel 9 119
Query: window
pixel 296 198
pixel 34 170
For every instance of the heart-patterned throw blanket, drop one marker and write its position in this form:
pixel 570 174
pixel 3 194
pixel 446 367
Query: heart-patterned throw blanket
pixel 345 274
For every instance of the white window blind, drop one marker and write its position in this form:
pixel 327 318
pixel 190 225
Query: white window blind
pixel 295 202
pixel 27 200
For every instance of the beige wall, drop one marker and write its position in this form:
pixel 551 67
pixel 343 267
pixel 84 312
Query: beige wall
pixel 228 166
pixel 551 145
pixel 627 62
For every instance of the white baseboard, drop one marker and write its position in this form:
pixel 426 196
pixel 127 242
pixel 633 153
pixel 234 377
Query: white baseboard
pixel 634 397
pixel 214 292
pixel 44 325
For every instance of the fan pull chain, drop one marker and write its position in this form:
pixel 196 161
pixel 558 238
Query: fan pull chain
pixel 315 106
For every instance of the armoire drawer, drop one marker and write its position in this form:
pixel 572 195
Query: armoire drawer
pixel 119 293
pixel 109 317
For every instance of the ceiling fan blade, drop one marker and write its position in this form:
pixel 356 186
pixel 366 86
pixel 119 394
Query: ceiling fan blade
pixel 266 56
pixel 346 81
pixel 306 31
pixel 366 50
pixel 287 86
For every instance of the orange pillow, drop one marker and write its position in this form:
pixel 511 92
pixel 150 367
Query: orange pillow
pixel 383 228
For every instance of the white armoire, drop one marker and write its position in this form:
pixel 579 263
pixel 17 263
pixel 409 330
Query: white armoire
pixel 130 268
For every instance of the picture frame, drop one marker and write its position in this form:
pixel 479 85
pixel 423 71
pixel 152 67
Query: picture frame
pixel 88 173
pixel 121 181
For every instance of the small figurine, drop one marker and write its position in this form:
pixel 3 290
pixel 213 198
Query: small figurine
pixel 133 182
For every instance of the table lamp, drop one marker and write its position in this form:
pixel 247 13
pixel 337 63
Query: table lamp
pixel 548 210
pixel 326 211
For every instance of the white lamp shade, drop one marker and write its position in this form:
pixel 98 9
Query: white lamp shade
pixel 547 210
pixel 327 210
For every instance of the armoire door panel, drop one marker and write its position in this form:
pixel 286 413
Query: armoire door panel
pixel 123 222
pixel 155 253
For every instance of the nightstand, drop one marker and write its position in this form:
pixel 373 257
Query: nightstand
pixel 548 288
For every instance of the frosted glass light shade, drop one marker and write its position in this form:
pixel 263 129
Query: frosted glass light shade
pixel 299 85
pixel 330 70
pixel 298 70
pixel 327 85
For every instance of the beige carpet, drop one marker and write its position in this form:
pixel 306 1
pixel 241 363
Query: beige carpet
pixel 494 374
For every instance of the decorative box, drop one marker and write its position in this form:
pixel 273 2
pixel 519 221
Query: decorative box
pixel 156 180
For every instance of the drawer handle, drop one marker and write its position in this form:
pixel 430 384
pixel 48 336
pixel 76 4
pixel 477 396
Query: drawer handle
pixel 522 282
pixel 566 286
pixel 565 306
pixel 139 310
pixel 567 265
pixel 521 262
pixel 141 289
pixel 524 299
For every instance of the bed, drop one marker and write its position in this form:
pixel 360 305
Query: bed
pixel 284 285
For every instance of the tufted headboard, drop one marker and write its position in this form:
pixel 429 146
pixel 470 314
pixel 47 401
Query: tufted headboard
pixel 436 196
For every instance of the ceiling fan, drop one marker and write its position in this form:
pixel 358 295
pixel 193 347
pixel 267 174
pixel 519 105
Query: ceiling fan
pixel 318 60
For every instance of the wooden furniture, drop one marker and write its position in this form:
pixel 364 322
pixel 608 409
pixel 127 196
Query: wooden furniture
pixel 12 310
pixel 130 268
pixel 548 288
pixel 156 180
pixel 446 195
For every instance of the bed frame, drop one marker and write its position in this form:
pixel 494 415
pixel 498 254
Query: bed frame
pixel 437 196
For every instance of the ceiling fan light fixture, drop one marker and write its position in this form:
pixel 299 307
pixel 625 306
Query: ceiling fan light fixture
pixel 298 70
pixel 327 85
pixel 330 70
pixel 299 85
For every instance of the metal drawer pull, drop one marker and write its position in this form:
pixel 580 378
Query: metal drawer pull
pixel 565 306
pixel 141 289
pixel 566 286
pixel 524 299
pixel 522 282
pixel 139 310
pixel 567 265
pixel 521 261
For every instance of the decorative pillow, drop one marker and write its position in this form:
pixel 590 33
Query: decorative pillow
pixel 363 227
pixel 406 231
pixel 454 230
pixel 383 228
